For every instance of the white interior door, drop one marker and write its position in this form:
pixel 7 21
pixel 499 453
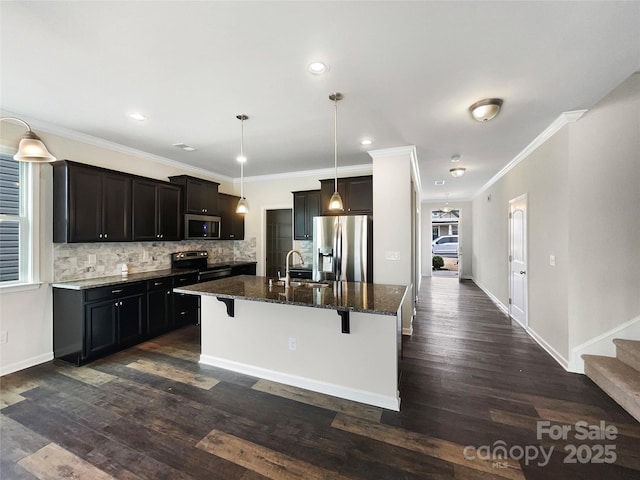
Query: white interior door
pixel 518 259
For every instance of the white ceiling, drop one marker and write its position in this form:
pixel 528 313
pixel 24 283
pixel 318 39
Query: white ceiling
pixel 408 72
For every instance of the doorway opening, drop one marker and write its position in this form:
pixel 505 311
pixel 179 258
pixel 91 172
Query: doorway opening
pixel 279 240
pixel 445 245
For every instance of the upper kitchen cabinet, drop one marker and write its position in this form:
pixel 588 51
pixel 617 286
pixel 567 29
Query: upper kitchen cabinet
pixel 199 196
pixel 231 223
pixel 356 193
pixel 306 205
pixel 156 210
pixel 90 204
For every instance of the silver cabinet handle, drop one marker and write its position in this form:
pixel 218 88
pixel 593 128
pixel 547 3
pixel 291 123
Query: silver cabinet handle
pixel 116 291
pixel 155 284
pixel 120 303
pixel 116 304
pixel 105 235
pixel 100 236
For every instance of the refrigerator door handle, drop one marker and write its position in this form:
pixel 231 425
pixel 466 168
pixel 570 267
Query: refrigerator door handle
pixel 335 250
pixel 339 251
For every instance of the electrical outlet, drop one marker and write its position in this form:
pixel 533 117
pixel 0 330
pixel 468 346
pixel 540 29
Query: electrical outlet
pixel 293 344
pixel 92 259
pixel 145 255
pixel 552 260
pixel 4 336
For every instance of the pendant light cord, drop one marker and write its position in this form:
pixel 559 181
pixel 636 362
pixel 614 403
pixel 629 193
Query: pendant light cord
pixel 335 140
pixel 242 156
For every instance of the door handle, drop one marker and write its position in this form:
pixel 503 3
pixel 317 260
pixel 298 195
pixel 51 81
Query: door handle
pixel 523 272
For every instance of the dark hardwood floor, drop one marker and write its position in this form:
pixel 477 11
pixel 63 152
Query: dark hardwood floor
pixel 473 385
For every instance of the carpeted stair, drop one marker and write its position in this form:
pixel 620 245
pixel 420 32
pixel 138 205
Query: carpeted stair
pixel 619 377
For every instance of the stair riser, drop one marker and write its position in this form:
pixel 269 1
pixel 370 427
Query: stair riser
pixel 629 357
pixel 620 395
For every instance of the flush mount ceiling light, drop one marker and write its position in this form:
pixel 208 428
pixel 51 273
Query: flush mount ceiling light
pixel 486 109
pixel 137 116
pixel 243 206
pixel 366 142
pixel 457 172
pixel 455 158
pixel 335 203
pixel 30 148
pixel 318 68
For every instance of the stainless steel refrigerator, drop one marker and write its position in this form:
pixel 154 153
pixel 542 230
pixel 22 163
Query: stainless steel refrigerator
pixel 343 248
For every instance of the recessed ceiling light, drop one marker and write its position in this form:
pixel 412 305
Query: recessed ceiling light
pixel 137 116
pixel 184 146
pixel 455 158
pixel 366 141
pixel 439 182
pixel 318 68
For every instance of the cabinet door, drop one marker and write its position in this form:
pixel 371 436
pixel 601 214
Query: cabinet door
pixel 210 198
pixel 130 312
pixel 116 208
pixel 85 205
pixel 100 331
pixel 145 216
pixel 299 215
pixel 194 195
pixel 312 210
pixel 158 311
pixel 359 195
pixel 231 224
pixel 169 212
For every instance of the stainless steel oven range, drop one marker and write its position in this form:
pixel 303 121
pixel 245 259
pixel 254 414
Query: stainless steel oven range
pixel 199 260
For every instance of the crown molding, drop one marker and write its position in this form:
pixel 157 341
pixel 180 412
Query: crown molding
pixel 562 120
pixel 328 172
pixel 116 147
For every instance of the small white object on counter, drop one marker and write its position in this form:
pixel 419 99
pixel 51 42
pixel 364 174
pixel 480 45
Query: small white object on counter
pixel 125 270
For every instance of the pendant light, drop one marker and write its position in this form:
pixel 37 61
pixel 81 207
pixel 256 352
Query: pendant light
pixel 446 208
pixel 335 203
pixel 31 148
pixel 243 206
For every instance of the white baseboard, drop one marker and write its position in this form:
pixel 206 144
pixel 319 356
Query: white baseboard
pixel 29 362
pixel 564 363
pixel 493 298
pixel 603 344
pixel 370 398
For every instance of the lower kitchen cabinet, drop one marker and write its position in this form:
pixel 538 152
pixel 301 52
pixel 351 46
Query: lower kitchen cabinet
pixel 159 306
pixel 93 322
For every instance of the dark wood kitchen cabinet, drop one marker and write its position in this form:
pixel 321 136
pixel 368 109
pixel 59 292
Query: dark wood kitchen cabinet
pixel 159 305
pixel 231 223
pixel 90 323
pixel 186 308
pixel 156 210
pixel 199 196
pixel 356 193
pixel 306 205
pixel 90 204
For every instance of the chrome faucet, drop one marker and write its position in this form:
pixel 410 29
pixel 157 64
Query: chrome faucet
pixel 287 280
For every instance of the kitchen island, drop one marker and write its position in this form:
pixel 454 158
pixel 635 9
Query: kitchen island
pixel 341 339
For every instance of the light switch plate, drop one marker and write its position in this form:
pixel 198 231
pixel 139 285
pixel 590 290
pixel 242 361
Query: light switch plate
pixel 92 259
pixel 392 255
pixel 552 260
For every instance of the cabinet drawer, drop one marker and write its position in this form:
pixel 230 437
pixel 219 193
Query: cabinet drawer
pixel 160 284
pixel 301 273
pixel 184 301
pixel 113 291
pixel 186 279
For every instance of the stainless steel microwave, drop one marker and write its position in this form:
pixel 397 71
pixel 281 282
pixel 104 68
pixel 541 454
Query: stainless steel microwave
pixel 199 227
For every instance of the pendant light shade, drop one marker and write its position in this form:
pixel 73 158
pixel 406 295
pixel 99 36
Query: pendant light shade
pixel 243 206
pixel 335 203
pixel 31 148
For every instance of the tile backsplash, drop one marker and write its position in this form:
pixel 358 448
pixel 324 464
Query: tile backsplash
pixel 74 261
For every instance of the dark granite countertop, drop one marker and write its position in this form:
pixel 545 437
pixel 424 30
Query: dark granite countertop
pixel 352 296
pixel 120 280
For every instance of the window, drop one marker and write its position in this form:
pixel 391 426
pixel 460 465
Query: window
pixel 16 233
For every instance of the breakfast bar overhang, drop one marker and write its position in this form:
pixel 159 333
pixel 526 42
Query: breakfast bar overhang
pixel 341 339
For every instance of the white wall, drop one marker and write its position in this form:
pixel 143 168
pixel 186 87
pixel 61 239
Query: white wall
pixel 604 198
pixel 392 174
pixel 580 182
pixel 465 232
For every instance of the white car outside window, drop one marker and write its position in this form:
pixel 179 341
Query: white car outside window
pixel 447 244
